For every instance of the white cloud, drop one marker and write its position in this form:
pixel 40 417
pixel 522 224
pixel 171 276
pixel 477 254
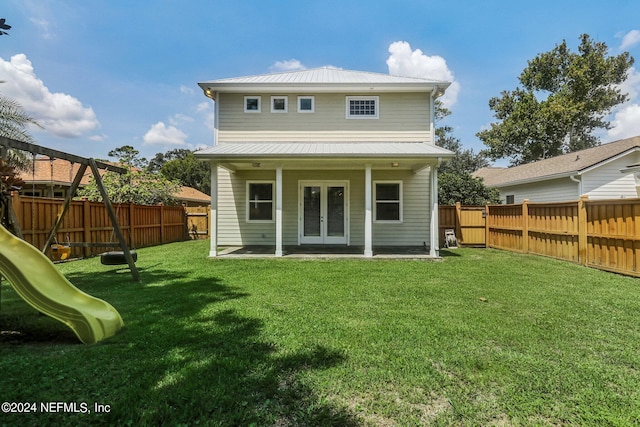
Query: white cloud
pixel 43 25
pixel 206 109
pixel 403 61
pixel 289 65
pixel 59 113
pixel 98 138
pixel 180 118
pixel 186 90
pixel 630 39
pixel 161 134
pixel 626 123
pixel 626 118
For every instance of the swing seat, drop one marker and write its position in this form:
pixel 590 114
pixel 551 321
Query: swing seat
pixel 60 252
pixel 116 257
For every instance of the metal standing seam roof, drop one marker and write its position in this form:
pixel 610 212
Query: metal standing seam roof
pixel 567 164
pixel 324 75
pixel 340 150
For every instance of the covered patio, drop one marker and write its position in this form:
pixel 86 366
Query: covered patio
pixel 301 171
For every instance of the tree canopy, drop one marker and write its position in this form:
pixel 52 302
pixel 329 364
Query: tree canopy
pixel 136 186
pixel 455 183
pixel 564 97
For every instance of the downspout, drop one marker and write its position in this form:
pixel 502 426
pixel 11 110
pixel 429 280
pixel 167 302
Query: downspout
pixel 579 181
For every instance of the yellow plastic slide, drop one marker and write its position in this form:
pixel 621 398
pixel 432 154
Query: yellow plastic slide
pixel 39 283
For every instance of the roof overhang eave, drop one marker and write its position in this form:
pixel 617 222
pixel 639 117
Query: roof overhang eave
pixel 213 88
pixel 536 179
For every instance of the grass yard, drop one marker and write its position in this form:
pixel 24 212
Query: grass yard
pixel 483 337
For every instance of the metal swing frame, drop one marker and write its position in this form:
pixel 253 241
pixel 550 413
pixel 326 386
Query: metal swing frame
pixel 95 167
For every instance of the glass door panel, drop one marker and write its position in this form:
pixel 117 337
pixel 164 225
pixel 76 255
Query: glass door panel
pixel 312 212
pixel 323 213
pixel 335 211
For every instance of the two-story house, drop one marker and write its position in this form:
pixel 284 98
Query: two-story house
pixel 324 157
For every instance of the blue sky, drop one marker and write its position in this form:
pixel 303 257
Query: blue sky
pixel 102 74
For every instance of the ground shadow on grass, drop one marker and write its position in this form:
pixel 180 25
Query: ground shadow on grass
pixel 445 253
pixel 188 355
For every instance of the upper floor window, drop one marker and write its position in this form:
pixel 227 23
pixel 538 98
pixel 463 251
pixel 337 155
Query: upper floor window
pixel 362 107
pixel 279 104
pixel 306 104
pixel 252 104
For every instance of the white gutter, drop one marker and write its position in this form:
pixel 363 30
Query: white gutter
pixel 579 181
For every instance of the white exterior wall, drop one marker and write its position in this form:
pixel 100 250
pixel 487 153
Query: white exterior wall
pixel 556 190
pixel 233 229
pixel 607 182
pixel 402 117
pixel 603 182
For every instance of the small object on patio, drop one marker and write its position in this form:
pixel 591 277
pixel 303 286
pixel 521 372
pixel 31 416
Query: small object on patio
pixel 450 240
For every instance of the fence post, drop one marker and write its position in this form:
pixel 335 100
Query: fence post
pixel 582 229
pixel 86 225
pixel 486 226
pixel 525 226
pixel 458 224
pixel 132 209
pixel 161 206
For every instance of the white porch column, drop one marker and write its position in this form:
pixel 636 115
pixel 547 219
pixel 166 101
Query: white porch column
pixel 368 217
pixel 434 248
pixel 278 211
pixel 213 226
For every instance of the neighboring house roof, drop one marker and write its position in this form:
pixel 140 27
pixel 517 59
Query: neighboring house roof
pixel 323 79
pixel 575 163
pixel 190 194
pixel 56 171
pixel 63 172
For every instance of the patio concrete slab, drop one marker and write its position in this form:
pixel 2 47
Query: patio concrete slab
pixel 327 252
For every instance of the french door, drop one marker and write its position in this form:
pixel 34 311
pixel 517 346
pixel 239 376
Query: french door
pixel 324 217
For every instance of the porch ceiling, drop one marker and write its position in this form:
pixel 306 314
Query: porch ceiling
pixel 387 155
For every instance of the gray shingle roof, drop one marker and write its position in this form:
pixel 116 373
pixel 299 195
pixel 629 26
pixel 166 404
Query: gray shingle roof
pixel 565 165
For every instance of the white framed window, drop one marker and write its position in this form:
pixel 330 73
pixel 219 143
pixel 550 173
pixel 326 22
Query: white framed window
pixel 363 107
pixel 279 104
pixel 252 104
pixel 260 205
pixel 388 201
pixel 306 104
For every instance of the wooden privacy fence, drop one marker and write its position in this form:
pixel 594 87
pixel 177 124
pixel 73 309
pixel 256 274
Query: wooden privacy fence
pixel 603 234
pixel 467 221
pixel 198 221
pixel 88 222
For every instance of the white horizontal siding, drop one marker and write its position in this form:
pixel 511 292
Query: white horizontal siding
pixel 607 182
pixel 414 229
pixel 233 229
pixel 556 190
pixel 402 117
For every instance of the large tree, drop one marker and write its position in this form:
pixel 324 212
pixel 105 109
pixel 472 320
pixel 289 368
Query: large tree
pixel 180 164
pixel 564 97
pixel 455 183
pixel 136 186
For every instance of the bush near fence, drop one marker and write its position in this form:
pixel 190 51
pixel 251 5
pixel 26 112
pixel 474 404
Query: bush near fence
pixel 87 221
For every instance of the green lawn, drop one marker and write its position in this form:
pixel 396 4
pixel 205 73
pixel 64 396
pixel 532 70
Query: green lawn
pixel 482 337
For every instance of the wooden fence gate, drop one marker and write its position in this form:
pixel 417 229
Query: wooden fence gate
pixel 467 221
pixel 198 221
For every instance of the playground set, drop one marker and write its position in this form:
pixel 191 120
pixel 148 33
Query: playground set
pixel 33 275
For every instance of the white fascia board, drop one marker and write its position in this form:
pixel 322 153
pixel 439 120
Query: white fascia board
pixel 537 179
pixel 320 87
